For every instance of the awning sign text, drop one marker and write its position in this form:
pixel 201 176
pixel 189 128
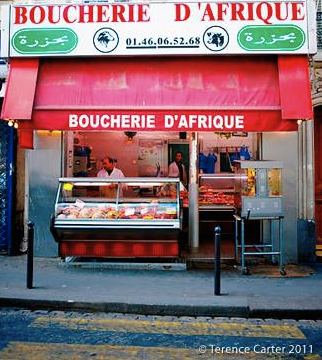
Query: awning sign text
pixel 170 122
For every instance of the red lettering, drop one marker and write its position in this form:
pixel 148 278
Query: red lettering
pixel 143 15
pixel 67 16
pixel 222 10
pixel 264 14
pixel 130 17
pixel 281 10
pixel 86 14
pixel 208 12
pixel 237 11
pixel 37 14
pixel 102 13
pixel 51 14
pixel 297 11
pixel 20 15
pixel 118 13
pixel 250 11
pixel 184 15
pixel 265 11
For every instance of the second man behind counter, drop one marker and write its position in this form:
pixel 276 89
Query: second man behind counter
pixel 177 168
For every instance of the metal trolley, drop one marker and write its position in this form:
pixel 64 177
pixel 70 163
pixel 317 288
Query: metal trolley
pixel 261 199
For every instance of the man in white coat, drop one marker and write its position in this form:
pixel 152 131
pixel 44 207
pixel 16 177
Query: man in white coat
pixel 109 171
pixel 177 169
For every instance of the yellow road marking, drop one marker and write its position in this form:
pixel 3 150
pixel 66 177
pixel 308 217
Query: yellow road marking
pixel 46 351
pixel 175 327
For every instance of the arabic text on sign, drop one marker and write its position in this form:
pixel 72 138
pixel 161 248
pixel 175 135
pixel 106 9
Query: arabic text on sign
pixel 60 40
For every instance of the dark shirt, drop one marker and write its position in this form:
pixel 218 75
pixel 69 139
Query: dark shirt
pixel 179 164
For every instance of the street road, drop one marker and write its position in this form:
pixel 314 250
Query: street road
pixel 42 335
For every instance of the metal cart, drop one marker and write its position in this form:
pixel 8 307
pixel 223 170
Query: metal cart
pixel 261 199
pixel 260 249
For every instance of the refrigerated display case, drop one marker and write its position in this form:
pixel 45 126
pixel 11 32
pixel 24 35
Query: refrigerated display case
pixel 217 191
pixel 124 218
pixel 217 198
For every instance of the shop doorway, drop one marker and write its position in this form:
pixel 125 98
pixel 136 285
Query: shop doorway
pixel 184 148
pixel 318 175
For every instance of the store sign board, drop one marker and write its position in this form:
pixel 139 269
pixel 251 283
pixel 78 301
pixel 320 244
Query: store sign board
pixel 192 28
pixel 161 120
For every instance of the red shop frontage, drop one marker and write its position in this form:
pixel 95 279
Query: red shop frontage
pixel 205 101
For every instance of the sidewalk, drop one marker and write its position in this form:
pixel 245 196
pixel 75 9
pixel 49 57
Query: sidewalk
pixel 181 293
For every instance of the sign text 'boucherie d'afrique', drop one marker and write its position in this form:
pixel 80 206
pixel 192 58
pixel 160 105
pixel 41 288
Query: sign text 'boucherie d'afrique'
pixel 228 27
pixel 169 121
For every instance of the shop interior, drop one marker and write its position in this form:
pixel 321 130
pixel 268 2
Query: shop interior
pixel 148 154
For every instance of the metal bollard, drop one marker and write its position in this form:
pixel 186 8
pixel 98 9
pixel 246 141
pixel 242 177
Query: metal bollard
pixel 217 238
pixel 30 255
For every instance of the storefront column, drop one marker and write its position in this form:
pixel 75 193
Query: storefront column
pixel 24 245
pixel 193 194
pixel 309 130
pixel 306 169
pixel 301 189
pixel 306 223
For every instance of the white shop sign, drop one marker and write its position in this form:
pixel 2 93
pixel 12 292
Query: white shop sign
pixel 191 28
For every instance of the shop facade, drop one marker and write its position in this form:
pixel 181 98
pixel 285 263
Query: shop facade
pixel 94 81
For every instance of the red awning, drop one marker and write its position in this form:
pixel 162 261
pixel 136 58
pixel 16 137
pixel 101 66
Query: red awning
pixel 179 94
pixel 20 90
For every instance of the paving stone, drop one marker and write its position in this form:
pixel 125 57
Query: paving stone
pixel 257 321
pixel 189 319
pixel 57 313
pixel 307 322
pixel 274 321
pixel 41 312
pixel 237 320
pixel 289 322
pixel 220 319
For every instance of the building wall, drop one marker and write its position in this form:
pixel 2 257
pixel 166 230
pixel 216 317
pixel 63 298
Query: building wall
pixel 283 147
pixel 44 168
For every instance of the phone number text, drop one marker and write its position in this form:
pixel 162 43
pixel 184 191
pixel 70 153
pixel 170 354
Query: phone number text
pixel 163 42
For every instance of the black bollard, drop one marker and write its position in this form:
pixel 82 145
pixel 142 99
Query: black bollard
pixel 217 232
pixel 30 255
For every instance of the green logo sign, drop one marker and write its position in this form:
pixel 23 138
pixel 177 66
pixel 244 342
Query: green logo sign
pixel 44 41
pixel 271 37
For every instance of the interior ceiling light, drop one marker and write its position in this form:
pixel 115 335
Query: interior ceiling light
pixel 13 123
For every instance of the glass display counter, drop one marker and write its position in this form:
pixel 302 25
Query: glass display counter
pixel 129 217
pixel 217 191
pixel 217 198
